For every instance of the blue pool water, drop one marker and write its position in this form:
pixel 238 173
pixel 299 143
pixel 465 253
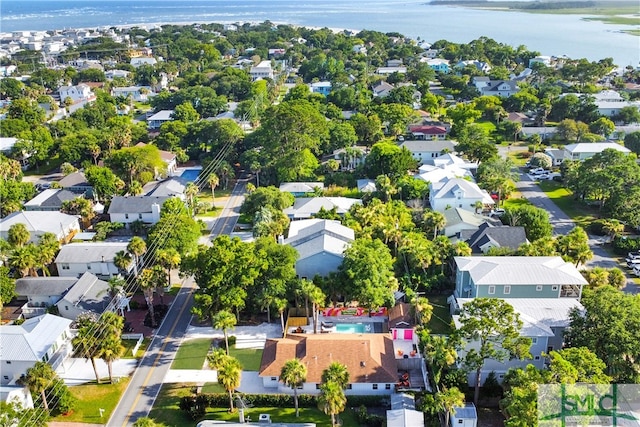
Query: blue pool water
pixel 352 328
pixel 191 174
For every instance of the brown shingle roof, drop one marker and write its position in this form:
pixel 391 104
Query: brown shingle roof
pixel 400 313
pixel 369 358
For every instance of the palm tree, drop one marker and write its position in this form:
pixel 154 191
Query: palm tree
pixel 147 281
pixel 24 260
pixel 336 373
pixel 423 310
pixel 122 260
pixel 478 206
pixel 229 376
pixel 317 298
pixel 86 343
pixel 448 399
pixel 332 400
pixel 294 374
pixel 111 342
pixel 224 320
pixel 433 220
pixel 38 379
pixel 135 188
pixel 191 192
pixel 136 247
pixel 225 170
pixel 18 235
pixel 213 182
pixel 169 259
pixel 441 354
pixel 116 284
pixel 281 305
pixel 256 169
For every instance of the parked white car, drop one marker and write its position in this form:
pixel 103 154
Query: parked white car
pixel 537 171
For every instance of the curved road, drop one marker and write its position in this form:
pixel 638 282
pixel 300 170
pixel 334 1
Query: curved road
pixel 141 393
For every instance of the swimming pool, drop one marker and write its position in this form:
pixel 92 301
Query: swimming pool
pixel 190 174
pixel 353 328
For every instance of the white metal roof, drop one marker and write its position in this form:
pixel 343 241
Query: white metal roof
pixel 31 340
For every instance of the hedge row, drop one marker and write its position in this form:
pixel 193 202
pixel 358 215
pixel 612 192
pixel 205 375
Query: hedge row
pixel 196 406
pixel 624 245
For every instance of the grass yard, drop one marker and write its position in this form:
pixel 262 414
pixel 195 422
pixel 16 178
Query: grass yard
pixel 580 213
pixel 516 200
pixel 166 410
pixel 249 358
pixel 519 158
pixel 192 354
pixel 130 344
pixel 92 397
pixel 440 322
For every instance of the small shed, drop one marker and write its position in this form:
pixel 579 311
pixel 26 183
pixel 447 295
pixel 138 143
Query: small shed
pixel 405 418
pixel 465 416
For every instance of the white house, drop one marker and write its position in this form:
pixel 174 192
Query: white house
pixel 16 394
pixel 7 143
pixel 112 74
pixel 421 150
pixel 78 93
pixel 465 416
pixel 612 109
pixel 307 207
pixel 382 89
pixel 323 88
pixel 479 65
pixel 49 200
pixel 502 88
pixel 143 60
pixel 390 70
pixel 174 186
pixel 128 209
pixel 137 93
pixel 88 294
pixel 458 219
pixel 299 189
pixel 44 338
pixel 457 193
pixel 586 150
pixel 261 71
pixel 41 293
pixel 63 226
pixel 320 244
pixel 76 259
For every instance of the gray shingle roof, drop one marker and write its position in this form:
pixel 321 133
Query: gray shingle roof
pixel 52 198
pixel 90 252
pixel 32 286
pixel 313 236
pixel 76 179
pixel 89 293
pixel 504 237
pixel 135 204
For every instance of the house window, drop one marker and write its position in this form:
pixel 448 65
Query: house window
pixel 88 266
pixel 349 387
pixel 492 290
pixel 534 340
pixel 549 349
pixel 539 288
pixel 139 216
pixel 501 376
pixel 274 378
pixel 65 266
pixel 66 307
pixel 536 358
pixel 387 386
pixel 8 362
pixel 126 216
pixel 375 386
pixel 554 288
pixel 6 377
pixel 507 289
pixel 317 386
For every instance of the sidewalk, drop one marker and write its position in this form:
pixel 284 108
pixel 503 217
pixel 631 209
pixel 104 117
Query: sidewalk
pixel 75 371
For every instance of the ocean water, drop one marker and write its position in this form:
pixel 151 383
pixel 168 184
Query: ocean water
pixel 549 34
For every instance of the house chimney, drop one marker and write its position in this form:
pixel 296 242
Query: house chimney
pixel 155 212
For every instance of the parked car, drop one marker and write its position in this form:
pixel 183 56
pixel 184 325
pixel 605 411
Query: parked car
pixel 543 176
pixel 633 255
pixel 497 213
pixel 537 171
pixel 636 271
pixel 633 263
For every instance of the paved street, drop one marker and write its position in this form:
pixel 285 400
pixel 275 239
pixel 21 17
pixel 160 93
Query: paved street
pixel 146 381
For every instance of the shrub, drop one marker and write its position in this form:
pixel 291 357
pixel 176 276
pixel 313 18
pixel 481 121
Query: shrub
pixel 623 245
pixel 491 387
pixel 541 160
pixel 232 340
pixel 596 227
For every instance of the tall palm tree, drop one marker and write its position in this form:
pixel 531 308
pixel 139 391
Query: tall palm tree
pixel 433 220
pixel 191 191
pixel 213 182
pixel 448 399
pixel 225 170
pixel 24 259
pixel 18 235
pixel 147 281
pixel 86 343
pixel 110 346
pixel 135 188
pixel 116 284
pixel 423 310
pixel 281 305
pixel 332 400
pixel 122 260
pixel 38 379
pixel 229 376
pixel 294 374
pixel 224 320
pixel 336 373
pixel 317 298
pixel 136 247
pixel 169 259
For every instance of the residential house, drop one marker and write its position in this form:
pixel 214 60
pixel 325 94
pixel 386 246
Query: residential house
pixel 41 293
pixel 501 88
pixel 45 338
pixel 79 93
pixel 276 52
pixel 323 88
pixel 394 62
pixel 464 416
pixel 382 89
pixel 385 71
pixel 170 187
pixel 358 48
pixel 369 358
pixel 88 294
pixel 429 53
pixel 586 150
pixel 49 200
pixel 63 226
pixel 557 155
pixel 6 144
pixel 488 236
pixel 612 109
pixel 307 207
pixel 439 175
pixel 320 244
pixel 479 65
pixel 128 209
pixel 156 120
pixel 458 220
pixel 366 185
pixel 76 182
pixel 136 93
pixel 422 150
pixel 143 60
pixel 544 321
pixel 76 259
pixel 457 193
pixel 261 71
pixel 521 118
pixel 299 189
pixel 428 132
pixel 16 394
pixel 517 277
pixel 437 64
pixel 544 60
pixel 112 74
pixel 351 157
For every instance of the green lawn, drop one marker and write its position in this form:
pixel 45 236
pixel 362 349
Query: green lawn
pixel 514 202
pixel 92 397
pixel 519 158
pixel 580 213
pixel 191 354
pixel 249 358
pixel 166 410
pixel 440 322
pixel 50 166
